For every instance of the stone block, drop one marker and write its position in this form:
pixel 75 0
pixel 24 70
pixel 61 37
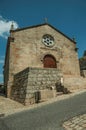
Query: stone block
pixel 47 94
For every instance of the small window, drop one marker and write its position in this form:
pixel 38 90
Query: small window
pixel 48 40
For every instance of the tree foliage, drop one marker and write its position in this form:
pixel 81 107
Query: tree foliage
pixel 84 53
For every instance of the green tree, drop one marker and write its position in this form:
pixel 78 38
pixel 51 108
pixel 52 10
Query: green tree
pixel 84 53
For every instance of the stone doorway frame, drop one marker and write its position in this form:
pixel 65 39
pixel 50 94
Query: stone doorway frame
pixel 52 61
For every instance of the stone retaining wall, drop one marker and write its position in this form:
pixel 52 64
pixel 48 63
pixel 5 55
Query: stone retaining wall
pixel 18 92
pixel 30 84
pixel 75 83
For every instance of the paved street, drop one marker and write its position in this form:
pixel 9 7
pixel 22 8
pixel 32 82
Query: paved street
pixel 76 123
pixel 48 117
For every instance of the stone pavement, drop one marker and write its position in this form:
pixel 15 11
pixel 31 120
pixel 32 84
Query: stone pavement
pixel 8 106
pixel 76 123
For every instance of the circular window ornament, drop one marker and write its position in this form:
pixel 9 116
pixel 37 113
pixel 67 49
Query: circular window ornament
pixel 48 40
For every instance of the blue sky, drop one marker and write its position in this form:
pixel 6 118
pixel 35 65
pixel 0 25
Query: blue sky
pixel 69 16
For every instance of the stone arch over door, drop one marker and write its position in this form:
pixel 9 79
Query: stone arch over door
pixel 49 61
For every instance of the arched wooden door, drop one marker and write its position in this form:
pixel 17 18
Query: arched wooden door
pixel 49 62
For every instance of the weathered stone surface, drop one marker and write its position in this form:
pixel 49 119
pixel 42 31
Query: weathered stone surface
pixel 32 80
pixel 27 50
pixel 73 83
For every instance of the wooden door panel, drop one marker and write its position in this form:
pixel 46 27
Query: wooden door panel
pixel 49 62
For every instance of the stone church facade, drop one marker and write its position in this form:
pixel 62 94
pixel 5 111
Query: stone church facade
pixel 38 57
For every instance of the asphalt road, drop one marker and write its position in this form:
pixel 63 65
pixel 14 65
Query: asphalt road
pixel 48 117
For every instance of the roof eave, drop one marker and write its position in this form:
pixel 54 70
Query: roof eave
pixel 20 29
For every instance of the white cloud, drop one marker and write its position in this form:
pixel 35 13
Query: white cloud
pixel 5 26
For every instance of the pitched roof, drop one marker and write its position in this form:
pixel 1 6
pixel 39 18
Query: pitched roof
pixel 34 26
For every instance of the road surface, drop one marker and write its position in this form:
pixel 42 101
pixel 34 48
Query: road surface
pixel 48 117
